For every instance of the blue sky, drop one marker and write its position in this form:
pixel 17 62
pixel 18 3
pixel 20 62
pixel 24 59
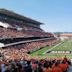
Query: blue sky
pixel 55 14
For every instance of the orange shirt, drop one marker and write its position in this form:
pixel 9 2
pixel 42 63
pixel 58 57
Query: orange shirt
pixel 63 66
pixel 56 69
pixel 48 70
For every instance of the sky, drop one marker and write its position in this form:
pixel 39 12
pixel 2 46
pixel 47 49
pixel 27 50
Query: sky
pixel 55 14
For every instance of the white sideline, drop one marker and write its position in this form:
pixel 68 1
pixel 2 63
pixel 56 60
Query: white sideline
pixel 52 48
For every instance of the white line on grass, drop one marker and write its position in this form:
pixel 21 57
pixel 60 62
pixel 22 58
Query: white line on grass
pixel 52 48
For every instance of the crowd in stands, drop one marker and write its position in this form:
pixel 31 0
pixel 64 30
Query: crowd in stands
pixel 9 33
pixel 20 49
pixel 15 58
pixel 28 64
pixel 32 46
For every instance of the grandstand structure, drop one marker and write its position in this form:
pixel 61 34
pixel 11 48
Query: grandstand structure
pixel 65 36
pixel 17 31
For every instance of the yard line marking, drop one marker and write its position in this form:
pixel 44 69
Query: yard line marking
pixel 54 47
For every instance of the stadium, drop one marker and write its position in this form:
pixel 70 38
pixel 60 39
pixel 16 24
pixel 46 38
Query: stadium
pixel 22 39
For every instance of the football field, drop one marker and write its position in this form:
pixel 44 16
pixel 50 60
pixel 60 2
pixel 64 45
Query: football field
pixel 57 51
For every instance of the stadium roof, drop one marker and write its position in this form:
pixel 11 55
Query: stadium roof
pixel 13 14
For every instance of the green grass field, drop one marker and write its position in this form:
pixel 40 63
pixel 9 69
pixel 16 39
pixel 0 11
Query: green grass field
pixel 64 46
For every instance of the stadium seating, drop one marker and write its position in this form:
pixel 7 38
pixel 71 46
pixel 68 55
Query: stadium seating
pixel 24 63
pixel 14 55
pixel 13 32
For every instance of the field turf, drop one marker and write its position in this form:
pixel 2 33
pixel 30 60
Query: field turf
pixel 64 46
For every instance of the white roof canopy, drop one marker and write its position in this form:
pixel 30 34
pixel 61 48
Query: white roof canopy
pixel 1 45
pixel 5 25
